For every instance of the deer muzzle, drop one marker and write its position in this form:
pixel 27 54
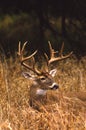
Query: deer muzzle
pixel 54 86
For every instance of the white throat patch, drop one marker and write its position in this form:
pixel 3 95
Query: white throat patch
pixel 41 92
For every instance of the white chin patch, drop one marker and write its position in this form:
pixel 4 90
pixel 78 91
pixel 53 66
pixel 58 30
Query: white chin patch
pixel 41 92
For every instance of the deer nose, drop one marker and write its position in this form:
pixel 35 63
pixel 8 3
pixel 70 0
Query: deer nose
pixel 54 86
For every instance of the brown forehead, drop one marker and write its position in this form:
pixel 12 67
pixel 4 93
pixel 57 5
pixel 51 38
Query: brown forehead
pixel 46 74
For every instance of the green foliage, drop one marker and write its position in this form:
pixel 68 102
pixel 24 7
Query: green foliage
pixel 26 27
pixel 15 28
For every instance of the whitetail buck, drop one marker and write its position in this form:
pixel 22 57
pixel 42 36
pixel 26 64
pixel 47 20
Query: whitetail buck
pixel 42 80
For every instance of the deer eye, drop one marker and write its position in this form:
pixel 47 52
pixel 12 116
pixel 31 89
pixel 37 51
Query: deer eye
pixel 42 78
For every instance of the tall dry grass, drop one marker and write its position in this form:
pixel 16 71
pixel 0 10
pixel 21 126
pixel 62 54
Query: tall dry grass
pixel 66 114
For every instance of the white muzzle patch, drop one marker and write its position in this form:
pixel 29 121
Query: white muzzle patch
pixel 54 86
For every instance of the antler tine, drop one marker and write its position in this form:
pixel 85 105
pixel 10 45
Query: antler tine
pixel 51 50
pixel 52 55
pixel 20 50
pixel 61 53
pixel 60 57
pixel 23 47
pixel 62 48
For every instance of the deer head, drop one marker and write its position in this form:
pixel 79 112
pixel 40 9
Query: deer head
pixel 42 79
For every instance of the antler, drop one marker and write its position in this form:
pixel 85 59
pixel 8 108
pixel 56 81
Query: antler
pixel 52 55
pixel 49 61
pixel 23 59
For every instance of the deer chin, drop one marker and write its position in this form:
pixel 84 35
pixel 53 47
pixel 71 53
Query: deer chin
pixel 41 92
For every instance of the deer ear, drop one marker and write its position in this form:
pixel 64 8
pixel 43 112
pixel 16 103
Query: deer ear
pixel 28 75
pixel 53 72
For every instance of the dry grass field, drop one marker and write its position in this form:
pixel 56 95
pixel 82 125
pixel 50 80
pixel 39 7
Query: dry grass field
pixel 69 113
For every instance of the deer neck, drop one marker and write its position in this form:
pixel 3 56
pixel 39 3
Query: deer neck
pixel 41 92
pixel 37 91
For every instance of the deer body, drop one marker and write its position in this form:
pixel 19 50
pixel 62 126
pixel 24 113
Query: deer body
pixel 79 95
